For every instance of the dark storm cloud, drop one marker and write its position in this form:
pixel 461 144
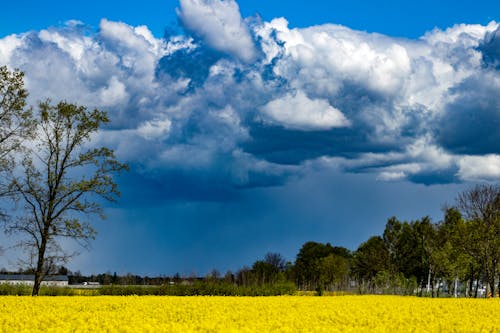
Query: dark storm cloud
pixel 470 124
pixel 189 64
pixel 491 49
pixel 282 146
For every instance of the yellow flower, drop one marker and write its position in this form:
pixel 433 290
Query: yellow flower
pixel 247 314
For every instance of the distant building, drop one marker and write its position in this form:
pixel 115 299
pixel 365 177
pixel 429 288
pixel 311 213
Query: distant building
pixel 27 279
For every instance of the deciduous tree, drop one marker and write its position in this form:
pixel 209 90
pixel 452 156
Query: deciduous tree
pixel 62 184
pixel 480 205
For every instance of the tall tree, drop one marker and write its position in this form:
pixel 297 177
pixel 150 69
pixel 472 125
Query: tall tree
pixel 62 183
pixel 276 260
pixel 333 271
pixel 409 246
pixel 371 258
pixel 307 263
pixel 480 205
pixel 455 255
pixel 425 233
pixel 391 238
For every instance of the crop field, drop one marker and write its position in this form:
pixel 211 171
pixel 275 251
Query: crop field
pixel 247 314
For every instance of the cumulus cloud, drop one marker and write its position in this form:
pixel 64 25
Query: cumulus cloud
pixel 476 168
pixel 8 45
pixel 114 93
pixel 242 105
pixel 297 111
pixel 220 24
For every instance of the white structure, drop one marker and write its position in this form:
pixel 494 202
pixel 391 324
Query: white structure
pixel 26 279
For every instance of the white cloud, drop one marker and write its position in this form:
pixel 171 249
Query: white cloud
pixel 425 151
pixel 461 35
pixel 219 22
pixel 474 168
pixel 324 56
pixel 154 129
pixel 137 48
pixel 391 175
pixel 297 111
pixel 399 171
pixel 7 46
pixel 75 47
pixel 114 93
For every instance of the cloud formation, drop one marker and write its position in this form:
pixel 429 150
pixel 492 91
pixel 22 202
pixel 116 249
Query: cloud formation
pixel 220 25
pixel 235 103
pixel 297 111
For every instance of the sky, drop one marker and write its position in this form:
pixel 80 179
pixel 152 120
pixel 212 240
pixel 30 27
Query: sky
pixel 253 127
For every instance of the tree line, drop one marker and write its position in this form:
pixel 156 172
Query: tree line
pixel 459 254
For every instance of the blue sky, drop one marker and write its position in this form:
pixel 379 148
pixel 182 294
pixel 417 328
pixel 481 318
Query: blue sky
pixel 396 18
pixel 248 134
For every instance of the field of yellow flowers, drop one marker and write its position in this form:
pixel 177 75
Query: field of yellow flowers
pixel 247 314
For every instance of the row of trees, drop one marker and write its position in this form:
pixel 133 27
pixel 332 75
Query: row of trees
pixel 52 180
pixel 462 250
pixel 418 257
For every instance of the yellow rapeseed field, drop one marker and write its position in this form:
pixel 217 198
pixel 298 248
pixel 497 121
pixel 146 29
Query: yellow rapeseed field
pixel 247 314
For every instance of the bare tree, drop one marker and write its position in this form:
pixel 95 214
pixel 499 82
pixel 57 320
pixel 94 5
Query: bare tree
pixel 276 260
pixel 61 184
pixel 480 205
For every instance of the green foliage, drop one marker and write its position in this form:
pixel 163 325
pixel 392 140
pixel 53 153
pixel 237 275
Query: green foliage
pixel 16 125
pixel 319 290
pixel 58 291
pixel 479 235
pixel 25 290
pixel 14 290
pixel 370 259
pixel 333 272
pixel 15 119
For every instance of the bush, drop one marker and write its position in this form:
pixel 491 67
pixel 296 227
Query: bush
pixel 14 290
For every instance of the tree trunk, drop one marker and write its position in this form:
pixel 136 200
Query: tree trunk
pixel 491 283
pixel 39 270
pixel 428 281
pixel 492 278
pixel 449 286
pixel 472 281
pixel 40 262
